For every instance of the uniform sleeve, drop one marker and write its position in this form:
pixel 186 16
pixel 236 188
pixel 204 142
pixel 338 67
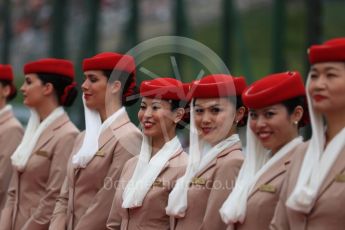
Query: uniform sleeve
pixel 222 186
pixel 41 217
pixel 7 211
pixel 103 199
pixel 8 142
pixel 59 217
pixel 114 219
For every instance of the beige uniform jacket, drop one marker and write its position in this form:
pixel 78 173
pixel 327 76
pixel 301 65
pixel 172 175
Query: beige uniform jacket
pixel 263 199
pixel 209 190
pixel 85 199
pixel 328 211
pixel 151 215
pixel 11 133
pixel 32 193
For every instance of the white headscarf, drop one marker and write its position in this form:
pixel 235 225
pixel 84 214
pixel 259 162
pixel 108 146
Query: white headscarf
pixel 257 162
pixel 177 202
pixel 316 164
pixel 147 170
pixel 32 133
pixel 93 129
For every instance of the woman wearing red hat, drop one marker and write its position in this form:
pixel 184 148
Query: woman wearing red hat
pixel 147 180
pixel 215 155
pixel 275 106
pixel 109 140
pixel 313 195
pixel 11 131
pixel 39 161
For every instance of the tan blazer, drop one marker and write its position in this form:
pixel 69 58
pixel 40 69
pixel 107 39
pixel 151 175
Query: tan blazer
pixel 32 193
pixel 86 196
pixel 209 190
pixel 328 211
pixel 11 133
pixel 264 197
pixel 151 215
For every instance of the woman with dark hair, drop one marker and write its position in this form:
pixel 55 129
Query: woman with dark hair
pixel 215 155
pixel 275 105
pixel 39 161
pixel 146 180
pixel 101 151
pixel 11 131
pixel 313 194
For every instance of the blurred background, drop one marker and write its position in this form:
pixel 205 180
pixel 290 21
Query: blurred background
pixel 253 37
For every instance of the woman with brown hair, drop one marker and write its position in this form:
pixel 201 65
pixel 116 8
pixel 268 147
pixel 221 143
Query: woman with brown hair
pixel 39 161
pixel 101 151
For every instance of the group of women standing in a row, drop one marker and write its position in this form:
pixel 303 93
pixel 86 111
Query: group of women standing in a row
pixel 112 176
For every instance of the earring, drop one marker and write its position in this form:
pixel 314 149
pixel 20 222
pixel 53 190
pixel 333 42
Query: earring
pixel 295 122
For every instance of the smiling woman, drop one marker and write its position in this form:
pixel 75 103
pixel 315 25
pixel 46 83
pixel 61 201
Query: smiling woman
pixel 148 179
pixel 276 105
pixel 215 155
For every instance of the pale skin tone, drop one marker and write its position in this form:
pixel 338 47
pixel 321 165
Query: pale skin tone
pixel 100 95
pixel 215 118
pixel 274 126
pixel 158 121
pixel 39 96
pixel 326 89
pixel 5 91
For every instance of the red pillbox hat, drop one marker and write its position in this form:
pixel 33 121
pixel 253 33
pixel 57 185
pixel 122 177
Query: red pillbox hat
pixel 217 85
pixel 331 51
pixel 109 61
pixel 164 88
pixel 6 72
pixel 51 66
pixel 273 89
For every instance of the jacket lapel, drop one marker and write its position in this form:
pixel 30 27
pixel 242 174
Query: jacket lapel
pixel 48 133
pixel 108 133
pixel 225 152
pixel 335 173
pixel 277 169
pixel 176 154
pixel 105 137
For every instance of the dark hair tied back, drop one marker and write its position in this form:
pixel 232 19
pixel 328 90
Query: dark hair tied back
pixel 186 117
pixel 65 89
pixel 292 103
pixel 69 93
pixel 13 92
pixel 128 84
pixel 244 119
